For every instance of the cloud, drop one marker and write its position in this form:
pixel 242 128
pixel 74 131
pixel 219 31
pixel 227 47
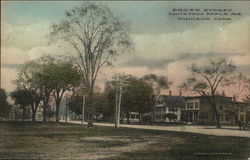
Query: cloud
pixel 13 55
pixel 166 54
pixel 161 63
pixel 215 38
pixel 8 75
pixel 24 37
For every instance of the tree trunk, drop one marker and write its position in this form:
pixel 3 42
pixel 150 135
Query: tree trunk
pixel 45 106
pixel 33 116
pixel 91 118
pixel 57 110
pixel 23 113
pixel 139 118
pixel 33 109
pixel 127 119
pixel 217 117
pixel 153 114
pixel 44 114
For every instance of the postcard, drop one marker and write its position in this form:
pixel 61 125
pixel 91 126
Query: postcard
pixel 120 80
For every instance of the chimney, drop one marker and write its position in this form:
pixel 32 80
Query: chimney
pixel 170 93
pixel 180 93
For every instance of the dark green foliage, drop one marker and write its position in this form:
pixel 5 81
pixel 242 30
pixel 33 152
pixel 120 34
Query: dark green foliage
pixel 170 116
pixel 75 104
pixel 137 96
pixel 61 76
pixel 5 108
pixel 22 97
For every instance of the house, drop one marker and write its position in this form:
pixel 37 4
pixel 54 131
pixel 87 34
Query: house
pixel 198 109
pixel 234 112
pixel 168 108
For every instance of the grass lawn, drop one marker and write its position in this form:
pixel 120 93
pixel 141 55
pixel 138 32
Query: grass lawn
pixel 60 141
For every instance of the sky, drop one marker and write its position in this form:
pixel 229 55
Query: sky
pixel 163 44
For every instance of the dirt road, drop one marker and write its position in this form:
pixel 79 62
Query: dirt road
pixel 206 130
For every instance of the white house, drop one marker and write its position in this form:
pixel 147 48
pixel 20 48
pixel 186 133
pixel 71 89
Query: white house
pixel 167 107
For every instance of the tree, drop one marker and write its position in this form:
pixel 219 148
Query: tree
pixel 108 102
pixel 27 81
pixel 63 76
pixel 5 108
pixel 159 84
pixel 96 35
pixel 23 98
pixel 41 79
pixel 137 97
pixel 75 103
pixel 238 86
pixel 206 79
pixel 247 85
pixel 141 96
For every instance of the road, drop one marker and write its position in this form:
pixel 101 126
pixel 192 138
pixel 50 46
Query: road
pixel 206 130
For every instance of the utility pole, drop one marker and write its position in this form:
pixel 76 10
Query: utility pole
pixel 120 82
pixel 83 106
pixel 66 118
pixel 119 107
pixel 116 105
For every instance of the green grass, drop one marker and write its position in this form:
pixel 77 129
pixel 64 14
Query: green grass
pixel 49 140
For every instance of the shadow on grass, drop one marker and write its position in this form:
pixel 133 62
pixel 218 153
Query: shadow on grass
pixel 167 145
pixel 194 148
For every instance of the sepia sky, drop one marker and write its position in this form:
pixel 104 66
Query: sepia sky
pixel 162 44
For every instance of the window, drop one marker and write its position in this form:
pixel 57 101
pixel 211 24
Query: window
pixel 193 105
pixel 160 102
pixel 197 105
pixel 132 116
pixel 190 105
pixel 137 116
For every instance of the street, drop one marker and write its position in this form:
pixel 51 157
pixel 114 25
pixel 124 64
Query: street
pixel 206 130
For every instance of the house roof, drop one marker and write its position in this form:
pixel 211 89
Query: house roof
pixel 173 101
pixel 217 96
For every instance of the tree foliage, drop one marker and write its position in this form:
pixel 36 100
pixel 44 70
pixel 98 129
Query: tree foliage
pixel 159 84
pixel 136 97
pixel 24 98
pixel 206 79
pixel 96 35
pixel 247 95
pixel 61 76
pixel 5 107
pixel 27 81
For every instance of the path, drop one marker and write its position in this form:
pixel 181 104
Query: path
pixel 206 130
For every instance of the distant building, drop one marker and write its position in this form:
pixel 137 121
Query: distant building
pixel 199 110
pixel 168 108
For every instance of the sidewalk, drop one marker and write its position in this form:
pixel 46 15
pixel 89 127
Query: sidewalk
pixel 206 130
